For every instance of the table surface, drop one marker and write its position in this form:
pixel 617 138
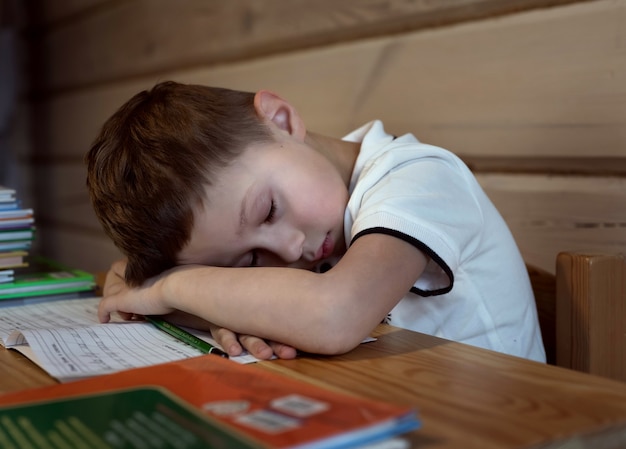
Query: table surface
pixel 466 397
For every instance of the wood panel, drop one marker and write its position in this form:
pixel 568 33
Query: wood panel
pixel 550 214
pixel 537 84
pixel 539 92
pixel 467 88
pixel 98 42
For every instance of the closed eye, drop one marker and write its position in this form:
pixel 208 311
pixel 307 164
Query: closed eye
pixel 270 213
pixel 254 261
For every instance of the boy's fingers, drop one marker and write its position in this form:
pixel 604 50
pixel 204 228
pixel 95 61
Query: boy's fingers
pixel 104 316
pixel 227 340
pixel 108 306
pixel 283 351
pixel 257 347
pixel 127 316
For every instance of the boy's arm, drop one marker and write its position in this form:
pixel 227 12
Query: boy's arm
pixel 321 313
pixel 233 343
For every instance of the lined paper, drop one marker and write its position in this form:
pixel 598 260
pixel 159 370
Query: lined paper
pixel 65 338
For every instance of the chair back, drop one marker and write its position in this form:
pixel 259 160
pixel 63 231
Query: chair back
pixel 582 312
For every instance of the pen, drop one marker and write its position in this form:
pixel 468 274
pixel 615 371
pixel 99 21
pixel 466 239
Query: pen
pixel 185 337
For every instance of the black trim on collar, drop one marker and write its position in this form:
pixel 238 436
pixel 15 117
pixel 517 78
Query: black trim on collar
pixel 422 247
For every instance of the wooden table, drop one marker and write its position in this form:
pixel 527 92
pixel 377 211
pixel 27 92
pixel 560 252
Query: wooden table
pixel 472 398
pixel 466 397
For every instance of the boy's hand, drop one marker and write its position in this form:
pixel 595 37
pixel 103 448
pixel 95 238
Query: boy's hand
pixel 234 344
pixel 126 301
pixel 114 281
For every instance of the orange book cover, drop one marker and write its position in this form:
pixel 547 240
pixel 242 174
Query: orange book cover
pixel 273 409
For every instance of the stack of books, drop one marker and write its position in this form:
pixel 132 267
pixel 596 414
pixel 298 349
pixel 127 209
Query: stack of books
pixel 22 274
pixel 17 229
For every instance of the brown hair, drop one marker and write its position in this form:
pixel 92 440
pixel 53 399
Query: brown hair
pixel 149 165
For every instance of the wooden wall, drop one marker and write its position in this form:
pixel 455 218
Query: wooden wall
pixel 531 93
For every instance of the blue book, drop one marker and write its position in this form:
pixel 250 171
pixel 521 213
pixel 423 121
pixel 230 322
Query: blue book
pixel 9 206
pixel 7 194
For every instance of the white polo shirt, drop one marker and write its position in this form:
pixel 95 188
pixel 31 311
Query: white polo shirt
pixel 475 288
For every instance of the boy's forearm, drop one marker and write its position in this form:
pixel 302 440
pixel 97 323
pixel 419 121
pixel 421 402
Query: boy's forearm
pixel 297 307
pixel 322 313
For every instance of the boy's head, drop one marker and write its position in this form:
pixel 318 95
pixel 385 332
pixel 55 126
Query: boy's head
pixel 152 160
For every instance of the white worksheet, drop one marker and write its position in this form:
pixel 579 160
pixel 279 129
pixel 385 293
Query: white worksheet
pixel 65 338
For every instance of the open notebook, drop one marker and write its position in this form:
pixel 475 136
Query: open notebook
pixel 65 338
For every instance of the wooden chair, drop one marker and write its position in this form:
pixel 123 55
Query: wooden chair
pixel 582 312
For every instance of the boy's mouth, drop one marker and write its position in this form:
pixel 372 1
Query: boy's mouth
pixel 327 248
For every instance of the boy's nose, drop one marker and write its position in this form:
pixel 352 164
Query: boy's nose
pixel 291 245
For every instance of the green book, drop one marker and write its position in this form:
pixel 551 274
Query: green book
pixel 141 418
pixel 44 277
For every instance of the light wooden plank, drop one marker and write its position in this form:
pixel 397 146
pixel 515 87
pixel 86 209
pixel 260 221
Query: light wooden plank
pixel 112 44
pixel 467 88
pixel 70 122
pixel 542 83
pixel 550 214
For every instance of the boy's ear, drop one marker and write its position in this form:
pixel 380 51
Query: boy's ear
pixel 280 113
